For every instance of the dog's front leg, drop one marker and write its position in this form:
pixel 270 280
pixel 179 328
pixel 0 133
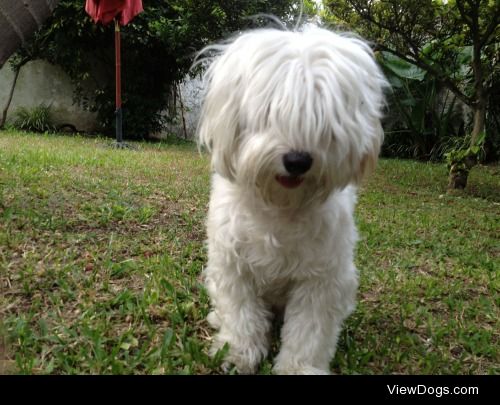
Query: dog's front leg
pixel 243 321
pixel 313 319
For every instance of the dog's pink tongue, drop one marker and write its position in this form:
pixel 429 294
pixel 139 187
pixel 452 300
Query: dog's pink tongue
pixel 289 181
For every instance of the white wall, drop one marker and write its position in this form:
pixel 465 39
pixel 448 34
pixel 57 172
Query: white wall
pixel 40 82
pixel 192 91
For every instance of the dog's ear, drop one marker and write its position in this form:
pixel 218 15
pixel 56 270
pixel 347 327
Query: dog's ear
pixel 219 126
pixel 220 137
pixel 366 96
pixel 369 159
pixel 367 165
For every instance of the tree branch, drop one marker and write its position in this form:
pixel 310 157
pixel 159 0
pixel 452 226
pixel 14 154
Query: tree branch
pixel 490 29
pixel 447 82
pixel 463 13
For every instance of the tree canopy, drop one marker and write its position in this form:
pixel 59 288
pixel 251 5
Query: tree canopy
pixel 158 48
pixel 455 42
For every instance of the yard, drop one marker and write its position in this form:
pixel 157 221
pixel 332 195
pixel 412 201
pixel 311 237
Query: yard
pixel 101 252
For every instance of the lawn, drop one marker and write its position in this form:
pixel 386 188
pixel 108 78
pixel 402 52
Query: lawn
pixel 101 252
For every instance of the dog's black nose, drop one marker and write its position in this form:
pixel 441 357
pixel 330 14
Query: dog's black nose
pixel 297 163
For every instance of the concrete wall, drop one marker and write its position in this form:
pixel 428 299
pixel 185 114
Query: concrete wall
pixel 191 91
pixel 40 82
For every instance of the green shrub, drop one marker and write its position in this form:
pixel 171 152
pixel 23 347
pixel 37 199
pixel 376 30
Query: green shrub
pixel 36 119
pixel 157 51
pixel 462 159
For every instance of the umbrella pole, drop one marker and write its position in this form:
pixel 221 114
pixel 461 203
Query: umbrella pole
pixel 118 99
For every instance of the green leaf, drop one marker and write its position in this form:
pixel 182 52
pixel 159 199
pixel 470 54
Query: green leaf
pixel 402 68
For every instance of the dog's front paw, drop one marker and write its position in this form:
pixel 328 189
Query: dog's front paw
pixel 299 370
pixel 287 364
pixel 214 320
pixel 245 356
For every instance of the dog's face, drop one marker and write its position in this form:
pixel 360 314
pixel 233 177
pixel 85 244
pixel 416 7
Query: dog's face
pixel 293 115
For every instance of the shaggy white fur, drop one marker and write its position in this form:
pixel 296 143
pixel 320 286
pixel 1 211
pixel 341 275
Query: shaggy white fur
pixel 292 121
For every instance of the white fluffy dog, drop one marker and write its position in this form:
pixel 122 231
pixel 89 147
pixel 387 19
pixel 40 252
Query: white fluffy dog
pixel 292 121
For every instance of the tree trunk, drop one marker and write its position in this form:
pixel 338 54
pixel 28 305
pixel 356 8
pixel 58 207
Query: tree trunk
pixel 457 180
pixel 18 20
pixel 460 173
pixel 11 94
pixel 182 112
pixel 479 120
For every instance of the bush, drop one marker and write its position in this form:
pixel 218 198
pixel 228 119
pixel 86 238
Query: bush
pixel 158 48
pixel 462 159
pixel 36 119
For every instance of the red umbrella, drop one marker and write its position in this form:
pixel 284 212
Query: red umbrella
pixel 122 12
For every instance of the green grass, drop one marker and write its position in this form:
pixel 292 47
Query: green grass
pixel 101 252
